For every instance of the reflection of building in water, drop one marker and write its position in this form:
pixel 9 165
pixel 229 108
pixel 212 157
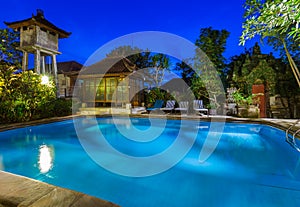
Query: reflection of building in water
pixel 46 155
pixel 1 163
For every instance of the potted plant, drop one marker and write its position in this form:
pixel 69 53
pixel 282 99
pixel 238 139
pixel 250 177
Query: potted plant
pixel 243 103
pixel 212 108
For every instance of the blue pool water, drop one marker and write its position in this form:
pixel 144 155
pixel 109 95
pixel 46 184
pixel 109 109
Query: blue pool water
pixel 252 164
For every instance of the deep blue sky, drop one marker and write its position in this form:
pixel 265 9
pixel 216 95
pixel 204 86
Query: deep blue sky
pixel 95 22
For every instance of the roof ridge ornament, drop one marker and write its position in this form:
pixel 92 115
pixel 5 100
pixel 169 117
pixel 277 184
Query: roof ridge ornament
pixel 40 13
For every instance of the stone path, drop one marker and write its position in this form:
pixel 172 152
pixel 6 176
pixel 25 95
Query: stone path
pixel 18 191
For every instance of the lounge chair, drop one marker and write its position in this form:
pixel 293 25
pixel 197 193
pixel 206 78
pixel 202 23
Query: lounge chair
pixel 157 105
pixel 198 107
pixel 169 106
pixel 138 110
pixel 183 106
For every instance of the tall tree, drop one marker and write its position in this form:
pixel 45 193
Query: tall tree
pixel 9 41
pixel 159 63
pixel 210 66
pixel 154 65
pixel 274 19
pixel 187 72
pixel 251 66
pixel 213 43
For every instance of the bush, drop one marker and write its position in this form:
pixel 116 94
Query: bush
pixel 62 107
pixel 23 97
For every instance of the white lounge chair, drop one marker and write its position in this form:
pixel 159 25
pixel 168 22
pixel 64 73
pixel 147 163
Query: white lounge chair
pixel 169 106
pixel 198 107
pixel 138 110
pixel 183 106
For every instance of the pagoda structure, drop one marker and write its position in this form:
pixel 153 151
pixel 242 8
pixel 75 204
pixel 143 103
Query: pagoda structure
pixel 40 37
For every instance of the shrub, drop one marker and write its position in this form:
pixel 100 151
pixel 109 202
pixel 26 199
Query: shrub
pixel 23 97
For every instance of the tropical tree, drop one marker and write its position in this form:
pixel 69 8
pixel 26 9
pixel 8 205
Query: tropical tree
pixel 9 55
pixel 277 19
pixel 213 43
pixel 209 64
pixel 186 71
pixel 159 63
pixel 251 66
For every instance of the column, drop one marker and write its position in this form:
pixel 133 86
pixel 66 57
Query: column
pixel 54 72
pixel 25 61
pixel 37 62
pixel 43 65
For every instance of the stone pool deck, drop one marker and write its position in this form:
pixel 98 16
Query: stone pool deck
pixel 19 191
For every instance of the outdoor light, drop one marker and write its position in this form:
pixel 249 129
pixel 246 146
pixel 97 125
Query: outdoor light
pixel 45 80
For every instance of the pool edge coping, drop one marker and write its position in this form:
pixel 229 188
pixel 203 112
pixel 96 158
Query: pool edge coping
pixel 17 190
pixel 284 125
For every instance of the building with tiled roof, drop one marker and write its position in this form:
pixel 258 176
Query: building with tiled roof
pixel 40 21
pixel 40 37
pixel 67 77
pixel 111 81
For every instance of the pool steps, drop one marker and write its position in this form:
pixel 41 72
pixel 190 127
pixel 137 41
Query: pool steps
pixel 291 139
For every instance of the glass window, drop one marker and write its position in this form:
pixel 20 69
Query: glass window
pixel 100 94
pixel 111 84
pixel 89 90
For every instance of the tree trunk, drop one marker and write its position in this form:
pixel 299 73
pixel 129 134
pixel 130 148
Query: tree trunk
pixel 292 63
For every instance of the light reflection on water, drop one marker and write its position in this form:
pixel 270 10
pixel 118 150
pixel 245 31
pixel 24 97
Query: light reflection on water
pixel 45 161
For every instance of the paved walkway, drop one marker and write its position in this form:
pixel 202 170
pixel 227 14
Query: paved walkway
pixel 18 191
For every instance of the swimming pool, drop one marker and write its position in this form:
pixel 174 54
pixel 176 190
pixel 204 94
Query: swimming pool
pixel 252 164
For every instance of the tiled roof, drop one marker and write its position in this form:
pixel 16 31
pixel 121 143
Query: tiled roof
pixel 110 65
pixel 175 84
pixel 69 66
pixel 40 20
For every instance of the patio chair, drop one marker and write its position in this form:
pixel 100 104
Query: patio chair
pixel 138 110
pixel 157 105
pixel 183 106
pixel 198 107
pixel 169 106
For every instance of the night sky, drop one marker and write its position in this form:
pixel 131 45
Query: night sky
pixel 96 22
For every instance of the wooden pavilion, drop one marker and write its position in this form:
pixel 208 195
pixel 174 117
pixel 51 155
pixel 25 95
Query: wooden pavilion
pixel 39 36
pixel 113 82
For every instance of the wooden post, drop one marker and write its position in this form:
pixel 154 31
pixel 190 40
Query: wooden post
pixel 25 61
pixel 43 65
pixel 37 62
pixel 54 71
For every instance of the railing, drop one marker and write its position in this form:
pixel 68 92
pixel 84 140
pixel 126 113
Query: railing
pixel 290 138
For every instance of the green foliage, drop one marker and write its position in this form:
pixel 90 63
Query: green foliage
pixel 213 43
pixel 155 64
pixel 241 99
pixel 187 72
pixel 278 21
pixel 252 67
pixel 24 98
pixel 271 18
pixel 206 83
pixel 157 94
pixel 9 41
pixel 159 63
